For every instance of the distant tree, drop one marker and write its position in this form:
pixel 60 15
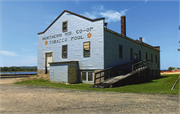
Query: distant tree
pixel 171 68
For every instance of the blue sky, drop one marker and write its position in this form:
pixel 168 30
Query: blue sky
pixel 156 21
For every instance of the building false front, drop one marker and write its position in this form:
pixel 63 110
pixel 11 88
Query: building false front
pixel 74 47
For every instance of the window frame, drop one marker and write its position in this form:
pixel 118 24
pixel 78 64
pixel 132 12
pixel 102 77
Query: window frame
pixel 146 55
pixel 84 49
pixel 66 51
pixel 64 26
pixel 140 55
pixel 156 58
pixel 87 76
pixel 120 51
pixel 131 53
pixel 151 58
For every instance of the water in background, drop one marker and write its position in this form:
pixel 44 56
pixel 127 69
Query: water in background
pixel 18 72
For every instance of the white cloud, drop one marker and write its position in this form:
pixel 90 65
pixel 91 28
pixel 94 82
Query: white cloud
pixel 98 7
pixel 8 53
pixel 144 40
pixel 90 15
pixel 112 15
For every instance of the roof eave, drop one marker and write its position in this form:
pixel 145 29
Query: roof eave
pixel 144 44
pixel 92 20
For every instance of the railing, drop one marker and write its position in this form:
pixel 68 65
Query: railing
pixel 141 64
pixel 112 72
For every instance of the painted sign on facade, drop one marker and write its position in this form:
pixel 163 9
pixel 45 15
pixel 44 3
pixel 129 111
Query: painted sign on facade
pixel 54 39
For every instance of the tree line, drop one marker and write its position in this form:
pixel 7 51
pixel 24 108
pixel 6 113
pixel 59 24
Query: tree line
pixel 10 69
pixel 172 68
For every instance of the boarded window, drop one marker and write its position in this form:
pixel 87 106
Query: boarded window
pixel 131 53
pixel 139 55
pixel 64 51
pixel 120 51
pixel 64 26
pixel 86 49
pixel 151 58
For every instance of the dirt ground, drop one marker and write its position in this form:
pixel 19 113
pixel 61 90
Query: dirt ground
pixel 170 73
pixel 25 100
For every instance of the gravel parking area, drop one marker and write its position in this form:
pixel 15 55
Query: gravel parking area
pixel 25 100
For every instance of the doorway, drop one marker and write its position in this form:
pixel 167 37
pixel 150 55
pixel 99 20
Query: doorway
pixel 48 59
pixel 72 74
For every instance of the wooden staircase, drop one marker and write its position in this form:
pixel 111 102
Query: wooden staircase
pixel 111 80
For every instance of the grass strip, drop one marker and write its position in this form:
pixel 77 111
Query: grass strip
pixel 162 85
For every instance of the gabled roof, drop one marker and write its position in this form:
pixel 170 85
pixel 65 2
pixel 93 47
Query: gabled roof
pixel 92 20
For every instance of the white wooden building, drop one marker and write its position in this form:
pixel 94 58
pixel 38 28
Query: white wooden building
pixel 74 47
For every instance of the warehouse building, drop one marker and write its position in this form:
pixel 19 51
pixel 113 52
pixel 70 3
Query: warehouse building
pixel 74 47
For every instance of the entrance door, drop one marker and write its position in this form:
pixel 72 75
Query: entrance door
pixel 72 74
pixel 47 61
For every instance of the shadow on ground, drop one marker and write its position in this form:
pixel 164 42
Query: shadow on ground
pixel 135 80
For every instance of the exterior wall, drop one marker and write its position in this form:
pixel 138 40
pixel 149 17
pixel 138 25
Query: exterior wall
pixel 111 51
pixel 40 71
pixel 74 39
pixel 59 73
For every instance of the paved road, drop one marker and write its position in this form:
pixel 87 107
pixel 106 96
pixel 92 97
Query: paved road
pixel 25 100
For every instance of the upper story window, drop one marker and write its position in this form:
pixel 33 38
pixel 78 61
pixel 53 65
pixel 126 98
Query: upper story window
pixel 151 58
pixel 146 56
pixel 64 51
pixel 156 58
pixel 131 53
pixel 86 47
pixel 139 55
pixel 120 51
pixel 64 26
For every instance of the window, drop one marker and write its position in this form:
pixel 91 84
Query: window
pixel 139 55
pixel 156 58
pixel 146 56
pixel 64 51
pixel 120 51
pixel 64 26
pixel 83 76
pixel 131 53
pixel 87 76
pixel 86 46
pixel 151 58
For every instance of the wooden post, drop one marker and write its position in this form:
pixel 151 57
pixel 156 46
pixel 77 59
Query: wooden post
pixel 100 77
pixel 95 79
pixel 175 84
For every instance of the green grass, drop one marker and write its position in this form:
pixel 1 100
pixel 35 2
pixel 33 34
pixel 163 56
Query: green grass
pixel 162 85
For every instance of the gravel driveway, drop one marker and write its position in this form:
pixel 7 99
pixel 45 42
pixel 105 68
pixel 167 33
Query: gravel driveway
pixel 25 100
